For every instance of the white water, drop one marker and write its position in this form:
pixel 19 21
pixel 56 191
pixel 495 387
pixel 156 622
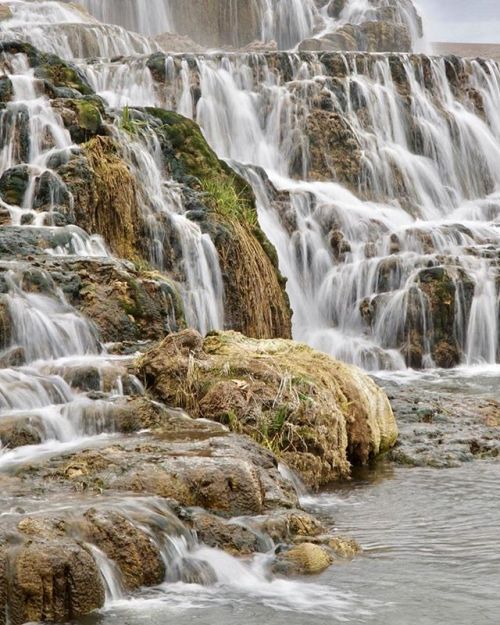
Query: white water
pixel 414 207
pixel 285 21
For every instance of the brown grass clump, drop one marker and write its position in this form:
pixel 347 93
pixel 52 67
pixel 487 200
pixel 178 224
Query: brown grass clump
pixel 319 415
pixel 113 210
pixel 105 196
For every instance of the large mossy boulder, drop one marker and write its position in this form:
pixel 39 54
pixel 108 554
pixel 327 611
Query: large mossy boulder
pixel 319 415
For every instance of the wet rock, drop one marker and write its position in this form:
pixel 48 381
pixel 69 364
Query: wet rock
pixel 16 432
pixel 288 526
pixel 334 149
pixel 51 580
pixel 13 184
pixel 137 557
pixel 234 538
pixel 318 413
pixel 303 559
pixel 5 334
pixel 443 429
pixel 83 117
pixel 444 288
pixel 343 547
pixel 124 304
pixel 196 463
pixel 194 571
pixel 6 89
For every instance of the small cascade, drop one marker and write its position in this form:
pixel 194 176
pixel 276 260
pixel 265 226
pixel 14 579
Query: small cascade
pixel 160 199
pixel 110 574
pixel 162 205
pixel 34 136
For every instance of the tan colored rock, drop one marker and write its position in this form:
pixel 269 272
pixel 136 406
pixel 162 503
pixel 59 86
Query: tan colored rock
pixel 233 538
pixel 137 557
pixel 344 547
pixel 319 414
pixel 304 559
pixel 52 581
pixel 289 526
pixel 5 12
pixel 334 149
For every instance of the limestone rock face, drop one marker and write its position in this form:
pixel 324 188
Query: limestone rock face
pixel 319 414
pixel 217 23
pixel 380 26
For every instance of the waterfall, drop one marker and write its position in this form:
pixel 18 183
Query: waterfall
pixel 376 178
pixel 360 238
pixel 240 21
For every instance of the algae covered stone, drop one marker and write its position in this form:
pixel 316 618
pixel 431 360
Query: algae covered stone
pixel 318 414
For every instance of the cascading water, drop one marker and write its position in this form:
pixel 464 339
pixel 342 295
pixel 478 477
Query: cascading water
pixel 285 21
pixel 362 255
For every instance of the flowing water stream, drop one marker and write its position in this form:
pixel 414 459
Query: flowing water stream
pixel 359 245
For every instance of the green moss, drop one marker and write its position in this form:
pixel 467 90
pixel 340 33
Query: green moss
pixel 224 199
pixel 130 124
pixel 89 115
pixel 49 67
pixel 194 153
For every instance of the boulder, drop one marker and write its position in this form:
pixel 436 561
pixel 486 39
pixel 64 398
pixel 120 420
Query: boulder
pixel 334 149
pixel 52 579
pixel 320 415
pixel 138 558
pixel 303 559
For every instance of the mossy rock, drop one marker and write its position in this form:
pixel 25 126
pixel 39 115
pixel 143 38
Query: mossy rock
pixel 50 67
pixel 83 117
pixel 320 415
pixel 256 300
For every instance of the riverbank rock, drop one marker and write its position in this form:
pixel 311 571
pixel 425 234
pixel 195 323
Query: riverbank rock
pixel 319 414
